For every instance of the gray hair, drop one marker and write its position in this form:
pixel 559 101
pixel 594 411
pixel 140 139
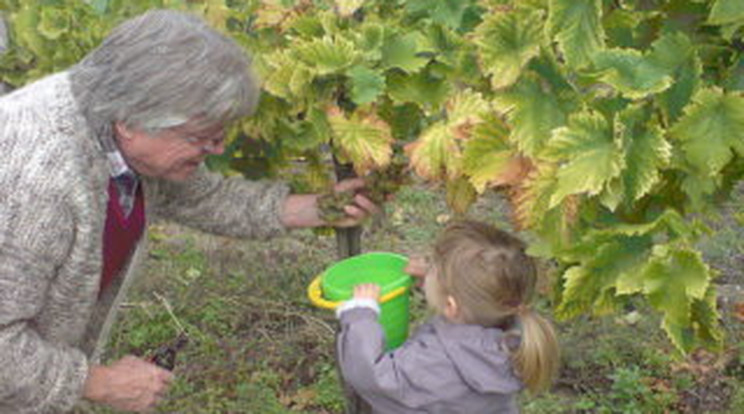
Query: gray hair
pixel 162 69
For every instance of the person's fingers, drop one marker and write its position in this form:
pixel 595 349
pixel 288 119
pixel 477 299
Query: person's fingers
pixel 349 184
pixel 417 266
pixel 366 204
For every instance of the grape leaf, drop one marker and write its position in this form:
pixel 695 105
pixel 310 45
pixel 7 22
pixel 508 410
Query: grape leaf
pixel 466 107
pixel 726 12
pixel 506 42
pixel 576 26
pixel 460 195
pixel 364 138
pixel 402 51
pixel 672 280
pixel 420 88
pixel 711 130
pixel 447 12
pixel 367 84
pixel 326 55
pixel 533 114
pixel 585 284
pixel 590 154
pixel 646 152
pixel 346 8
pixel 488 159
pixel 628 71
pixel 436 154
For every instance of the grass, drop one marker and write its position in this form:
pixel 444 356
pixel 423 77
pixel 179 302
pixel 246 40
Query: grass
pixel 256 344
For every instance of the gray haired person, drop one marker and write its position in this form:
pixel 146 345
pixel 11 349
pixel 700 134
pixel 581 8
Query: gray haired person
pixel 88 157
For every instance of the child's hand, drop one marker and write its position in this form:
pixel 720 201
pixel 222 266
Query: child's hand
pixel 417 267
pixel 367 291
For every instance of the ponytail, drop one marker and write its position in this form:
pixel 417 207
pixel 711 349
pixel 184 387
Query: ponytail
pixel 536 360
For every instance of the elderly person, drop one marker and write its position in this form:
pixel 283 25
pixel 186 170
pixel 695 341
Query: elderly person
pixel 87 157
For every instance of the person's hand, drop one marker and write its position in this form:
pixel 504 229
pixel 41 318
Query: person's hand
pixel 129 384
pixel 362 207
pixel 417 267
pixel 367 291
pixel 301 210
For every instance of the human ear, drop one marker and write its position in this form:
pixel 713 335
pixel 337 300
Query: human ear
pixel 451 308
pixel 122 131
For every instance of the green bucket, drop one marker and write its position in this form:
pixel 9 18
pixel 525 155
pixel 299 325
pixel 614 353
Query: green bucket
pixel 336 284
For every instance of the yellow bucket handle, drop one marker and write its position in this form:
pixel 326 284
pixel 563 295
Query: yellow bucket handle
pixel 315 294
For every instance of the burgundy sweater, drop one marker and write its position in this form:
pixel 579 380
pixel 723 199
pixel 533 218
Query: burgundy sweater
pixel 121 233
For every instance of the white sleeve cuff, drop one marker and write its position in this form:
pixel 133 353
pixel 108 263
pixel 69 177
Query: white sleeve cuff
pixel 358 303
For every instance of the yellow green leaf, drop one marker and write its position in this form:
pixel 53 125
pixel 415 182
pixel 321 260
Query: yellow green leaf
pixel 576 26
pixel 726 12
pixel 460 195
pixel 488 159
pixel 346 8
pixel 711 130
pixel 589 155
pixel 326 55
pixel 364 138
pixel 507 41
pixel 436 154
pixel 673 279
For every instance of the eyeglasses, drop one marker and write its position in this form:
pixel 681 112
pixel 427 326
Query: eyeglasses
pixel 207 145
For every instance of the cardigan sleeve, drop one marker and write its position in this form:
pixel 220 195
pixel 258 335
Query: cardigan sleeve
pixel 228 206
pixel 37 376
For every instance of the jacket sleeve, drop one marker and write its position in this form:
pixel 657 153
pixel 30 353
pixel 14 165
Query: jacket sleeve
pixel 36 376
pixel 396 378
pixel 228 206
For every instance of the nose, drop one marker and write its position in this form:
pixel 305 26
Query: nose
pixel 216 147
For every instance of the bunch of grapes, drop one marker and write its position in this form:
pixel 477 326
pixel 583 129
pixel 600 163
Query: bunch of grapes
pixel 381 184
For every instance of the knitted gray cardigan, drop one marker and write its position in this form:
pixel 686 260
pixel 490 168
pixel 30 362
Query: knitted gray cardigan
pixel 53 197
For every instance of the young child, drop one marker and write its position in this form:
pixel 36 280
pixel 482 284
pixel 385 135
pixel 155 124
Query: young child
pixel 483 346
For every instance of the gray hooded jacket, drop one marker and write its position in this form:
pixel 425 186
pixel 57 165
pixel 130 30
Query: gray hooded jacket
pixel 443 368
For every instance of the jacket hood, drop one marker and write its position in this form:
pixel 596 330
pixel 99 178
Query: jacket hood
pixel 480 356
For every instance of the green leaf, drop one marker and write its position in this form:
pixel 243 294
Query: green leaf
pixel 646 152
pixel 533 114
pixel 726 12
pixel 447 12
pixel 284 76
pixel 53 23
pixel 364 139
pixel 466 107
pixel 346 8
pixel 677 53
pixel 100 6
pixel 704 317
pixel 673 279
pixel 628 71
pixel 507 41
pixel 590 156
pixel 327 55
pixel 576 26
pixel 25 30
pixel 370 40
pixel 587 283
pixel 436 154
pixel 366 84
pixel 402 51
pixel 487 155
pixel 711 130
pixel 420 88
pixel 310 133
pixel 460 195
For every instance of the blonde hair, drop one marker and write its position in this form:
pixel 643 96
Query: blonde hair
pixel 492 279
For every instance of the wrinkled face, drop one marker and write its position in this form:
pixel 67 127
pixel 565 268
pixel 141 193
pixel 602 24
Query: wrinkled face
pixel 172 154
